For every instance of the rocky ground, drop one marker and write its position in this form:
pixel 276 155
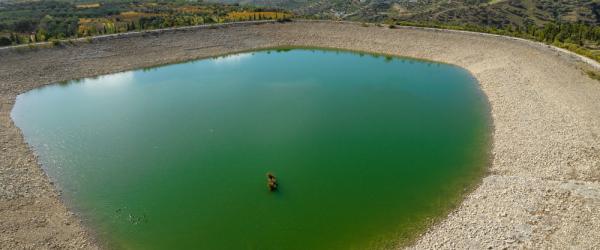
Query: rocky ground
pixel 543 186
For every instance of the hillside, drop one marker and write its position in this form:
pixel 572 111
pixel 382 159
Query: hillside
pixel 25 21
pixel 480 12
pixel 569 24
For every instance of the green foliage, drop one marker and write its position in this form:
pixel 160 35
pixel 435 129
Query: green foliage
pixel 580 38
pixel 29 21
pixel 593 74
pixel 55 42
pixel 5 41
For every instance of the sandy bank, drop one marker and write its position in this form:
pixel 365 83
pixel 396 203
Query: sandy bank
pixel 543 188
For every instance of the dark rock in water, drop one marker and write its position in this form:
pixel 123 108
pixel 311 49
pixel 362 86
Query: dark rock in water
pixel 271 182
pixel 272 186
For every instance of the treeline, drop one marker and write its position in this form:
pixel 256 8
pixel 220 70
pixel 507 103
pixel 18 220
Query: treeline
pixel 101 26
pixel 28 22
pixel 580 38
pixel 20 22
pixel 136 21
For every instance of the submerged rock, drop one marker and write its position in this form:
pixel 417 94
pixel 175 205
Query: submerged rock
pixel 271 182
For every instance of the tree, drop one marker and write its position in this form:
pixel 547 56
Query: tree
pixel 40 35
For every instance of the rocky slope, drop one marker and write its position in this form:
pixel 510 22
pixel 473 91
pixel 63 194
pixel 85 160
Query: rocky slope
pixel 480 12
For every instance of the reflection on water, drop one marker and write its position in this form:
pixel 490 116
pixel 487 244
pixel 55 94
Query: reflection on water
pixel 365 149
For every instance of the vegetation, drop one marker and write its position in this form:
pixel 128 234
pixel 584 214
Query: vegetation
pixel 568 24
pixel 593 74
pixel 477 12
pixel 27 22
pixel 572 25
pixel 578 37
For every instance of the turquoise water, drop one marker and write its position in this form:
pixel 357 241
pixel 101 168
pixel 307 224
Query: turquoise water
pixel 367 149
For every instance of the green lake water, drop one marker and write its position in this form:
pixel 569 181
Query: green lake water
pixel 367 149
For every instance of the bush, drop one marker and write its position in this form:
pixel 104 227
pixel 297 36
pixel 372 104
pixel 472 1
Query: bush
pixel 55 42
pixel 593 74
pixel 4 41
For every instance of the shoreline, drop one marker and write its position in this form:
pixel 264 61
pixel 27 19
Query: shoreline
pixel 542 188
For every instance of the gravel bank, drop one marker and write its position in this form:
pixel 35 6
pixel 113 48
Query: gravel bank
pixel 542 190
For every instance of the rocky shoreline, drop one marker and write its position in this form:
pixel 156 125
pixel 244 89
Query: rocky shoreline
pixel 543 186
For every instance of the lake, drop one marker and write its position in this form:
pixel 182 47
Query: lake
pixel 367 149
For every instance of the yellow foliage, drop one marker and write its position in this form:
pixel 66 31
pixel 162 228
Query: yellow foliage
pixel 87 5
pixel 251 15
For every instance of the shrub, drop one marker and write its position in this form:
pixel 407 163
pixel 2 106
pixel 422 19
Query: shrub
pixel 4 41
pixel 55 42
pixel 593 74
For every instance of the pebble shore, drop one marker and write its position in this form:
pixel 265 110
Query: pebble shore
pixel 542 190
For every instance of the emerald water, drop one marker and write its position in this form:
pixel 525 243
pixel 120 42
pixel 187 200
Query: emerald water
pixel 367 149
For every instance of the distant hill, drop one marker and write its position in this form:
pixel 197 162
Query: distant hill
pixel 480 12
